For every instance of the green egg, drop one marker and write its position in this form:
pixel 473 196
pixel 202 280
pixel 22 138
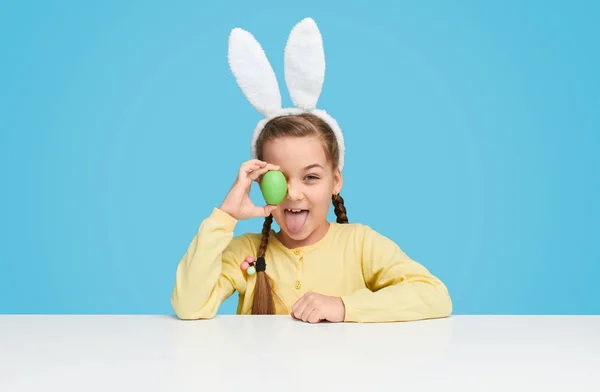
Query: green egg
pixel 273 187
pixel 251 270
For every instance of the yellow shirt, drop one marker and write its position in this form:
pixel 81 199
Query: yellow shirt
pixel 375 279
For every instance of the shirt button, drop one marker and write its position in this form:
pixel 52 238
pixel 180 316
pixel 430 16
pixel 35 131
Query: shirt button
pixel 298 285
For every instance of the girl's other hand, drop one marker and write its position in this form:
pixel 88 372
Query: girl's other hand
pixel 314 307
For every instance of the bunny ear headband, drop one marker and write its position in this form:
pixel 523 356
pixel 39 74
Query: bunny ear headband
pixel 304 65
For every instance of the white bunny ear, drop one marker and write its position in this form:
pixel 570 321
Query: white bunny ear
pixel 304 63
pixel 253 72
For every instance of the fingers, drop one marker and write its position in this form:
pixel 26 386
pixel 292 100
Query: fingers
pixel 309 308
pixel 302 309
pixel 299 302
pixel 264 211
pixel 299 305
pixel 314 316
pixel 268 210
pixel 252 170
pixel 304 312
pixel 311 313
pixel 250 165
pixel 256 173
pixel 255 164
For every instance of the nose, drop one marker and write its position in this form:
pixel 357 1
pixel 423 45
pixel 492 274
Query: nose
pixel 294 192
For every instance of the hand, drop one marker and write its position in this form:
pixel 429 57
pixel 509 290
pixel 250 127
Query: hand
pixel 313 308
pixel 237 203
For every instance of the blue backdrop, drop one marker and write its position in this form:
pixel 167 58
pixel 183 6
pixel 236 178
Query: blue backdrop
pixel 472 136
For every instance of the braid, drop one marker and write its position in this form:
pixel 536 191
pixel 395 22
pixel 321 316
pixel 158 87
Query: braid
pixel 264 241
pixel 262 302
pixel 339 209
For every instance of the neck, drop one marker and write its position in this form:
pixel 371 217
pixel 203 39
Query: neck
pixel 312 238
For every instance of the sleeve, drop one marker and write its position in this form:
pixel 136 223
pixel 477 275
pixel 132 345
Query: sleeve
pixel 398 288
pixel 209 273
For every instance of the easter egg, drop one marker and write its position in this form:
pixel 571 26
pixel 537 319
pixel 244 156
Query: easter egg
pixel 273 187
pixel 251 270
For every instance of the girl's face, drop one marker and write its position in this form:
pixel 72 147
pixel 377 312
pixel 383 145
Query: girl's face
pixel 302 216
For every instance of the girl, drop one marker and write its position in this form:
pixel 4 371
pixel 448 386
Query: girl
pixel 317 270
pixel 311 269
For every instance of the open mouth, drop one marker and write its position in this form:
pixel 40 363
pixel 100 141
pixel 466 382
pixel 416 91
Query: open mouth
pixel 295 219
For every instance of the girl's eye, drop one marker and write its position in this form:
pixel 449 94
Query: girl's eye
pixel 312 178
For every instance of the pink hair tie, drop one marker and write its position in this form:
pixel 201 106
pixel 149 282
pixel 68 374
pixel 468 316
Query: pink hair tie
pixel 248 265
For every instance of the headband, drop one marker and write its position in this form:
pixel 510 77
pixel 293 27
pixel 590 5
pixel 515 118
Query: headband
pixel 304 67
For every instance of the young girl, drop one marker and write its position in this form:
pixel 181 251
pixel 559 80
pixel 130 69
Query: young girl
pixel 312 269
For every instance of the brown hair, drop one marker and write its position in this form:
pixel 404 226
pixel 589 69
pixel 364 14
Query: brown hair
pixel 299 125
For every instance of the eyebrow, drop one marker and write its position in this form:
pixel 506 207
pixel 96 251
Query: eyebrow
pixel 312 166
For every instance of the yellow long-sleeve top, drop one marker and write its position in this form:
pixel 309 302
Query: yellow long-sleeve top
pixel 375 279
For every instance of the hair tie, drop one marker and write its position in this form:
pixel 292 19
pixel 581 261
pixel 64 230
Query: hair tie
pixel 261 265
pixel 252 267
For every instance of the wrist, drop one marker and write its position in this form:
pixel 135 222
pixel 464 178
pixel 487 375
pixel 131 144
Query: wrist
pixel 223 220
pixel 338 311
pixel 228 210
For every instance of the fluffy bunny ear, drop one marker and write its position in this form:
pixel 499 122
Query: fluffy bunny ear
pixel 253 72
pixel 304 63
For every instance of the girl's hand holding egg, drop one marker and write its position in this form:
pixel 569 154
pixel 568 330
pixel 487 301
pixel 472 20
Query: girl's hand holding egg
pixel 238 204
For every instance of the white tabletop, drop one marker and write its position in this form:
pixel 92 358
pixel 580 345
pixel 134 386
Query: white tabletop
pixel 245 353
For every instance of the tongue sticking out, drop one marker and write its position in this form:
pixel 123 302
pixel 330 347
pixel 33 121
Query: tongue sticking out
pixel 295 220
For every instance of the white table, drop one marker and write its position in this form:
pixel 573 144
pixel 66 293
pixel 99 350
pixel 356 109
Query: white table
pixel 263 353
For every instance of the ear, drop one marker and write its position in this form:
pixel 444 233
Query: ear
pixel 338 181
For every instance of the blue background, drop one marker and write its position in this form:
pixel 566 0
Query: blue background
pixel 471 129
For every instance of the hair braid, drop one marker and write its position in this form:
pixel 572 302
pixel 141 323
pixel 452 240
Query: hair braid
pixel 262 303
pixel 339 209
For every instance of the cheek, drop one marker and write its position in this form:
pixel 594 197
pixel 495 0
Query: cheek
pixel 278 214
pixel 320 197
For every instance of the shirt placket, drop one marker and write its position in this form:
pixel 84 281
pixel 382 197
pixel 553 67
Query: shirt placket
pixel 299 258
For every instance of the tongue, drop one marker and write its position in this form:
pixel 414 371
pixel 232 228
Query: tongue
pixel 295 220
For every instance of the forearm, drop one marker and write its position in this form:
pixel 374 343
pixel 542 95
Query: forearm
pixel 200 285
pixel 404 301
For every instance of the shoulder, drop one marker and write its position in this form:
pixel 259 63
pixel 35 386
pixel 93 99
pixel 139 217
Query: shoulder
pixel 243 245
pixel 356 231
pixel 365 238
